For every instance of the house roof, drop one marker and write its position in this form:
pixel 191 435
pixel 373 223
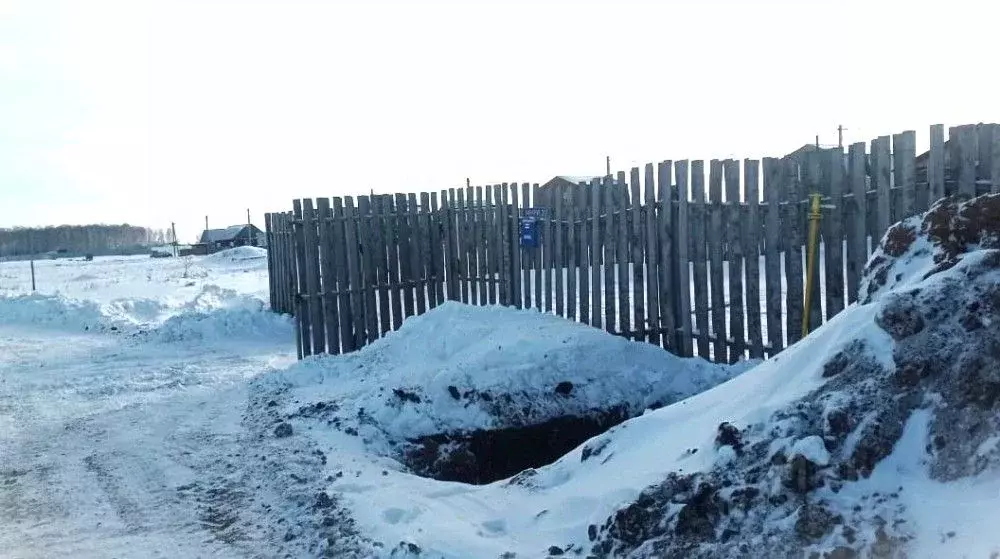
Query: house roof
pixel 220 235
pixel 579 178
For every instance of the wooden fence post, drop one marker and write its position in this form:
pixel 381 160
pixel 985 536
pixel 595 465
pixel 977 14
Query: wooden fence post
pixel 751 236
pixel 715 253
pixel 624 287
pixel 651 222
pixel 857 243
pixel 639 324
pixel 329 275
pixel 596 260
pixel 682 228
pixel 772 257
pixel 734 225
pixel 698 238
pixel 301 303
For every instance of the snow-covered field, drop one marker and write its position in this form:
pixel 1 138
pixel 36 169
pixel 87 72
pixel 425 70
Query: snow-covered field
pixel 154 408
pixel 122 380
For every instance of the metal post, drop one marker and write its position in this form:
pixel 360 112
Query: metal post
pixel 815 214
pixel 32 274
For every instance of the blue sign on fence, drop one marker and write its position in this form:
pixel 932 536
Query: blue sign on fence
pixel 529 232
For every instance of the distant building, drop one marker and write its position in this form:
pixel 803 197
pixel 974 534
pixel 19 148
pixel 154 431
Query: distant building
pixel 563 182
pixel 233 236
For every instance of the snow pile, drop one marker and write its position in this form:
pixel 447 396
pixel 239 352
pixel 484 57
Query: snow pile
pixel 239 255
pixel 880 459
pixel 876 436
pixel 461 369
pixel 216 314
pixel 50 310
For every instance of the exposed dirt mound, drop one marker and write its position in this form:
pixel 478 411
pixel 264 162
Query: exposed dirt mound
pixel 795 485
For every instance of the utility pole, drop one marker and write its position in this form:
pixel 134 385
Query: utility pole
pixel 817 141
pixel 206 223
pixel 607 160
pixel 840 135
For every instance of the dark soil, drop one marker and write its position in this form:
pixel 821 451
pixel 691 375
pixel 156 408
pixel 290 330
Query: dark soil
pixel 485 456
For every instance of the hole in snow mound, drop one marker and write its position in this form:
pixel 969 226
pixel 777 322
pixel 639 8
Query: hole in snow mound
pixel 485 456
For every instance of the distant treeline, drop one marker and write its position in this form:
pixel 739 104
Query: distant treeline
pixel 80 239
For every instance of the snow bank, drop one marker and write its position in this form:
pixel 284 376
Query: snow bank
pixel 217 314
pixel 462 368
pixel 52 311
pixel 213 314
pixel 238 255
pixel 874 436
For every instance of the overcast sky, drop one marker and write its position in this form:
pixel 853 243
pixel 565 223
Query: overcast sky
pixel 149 112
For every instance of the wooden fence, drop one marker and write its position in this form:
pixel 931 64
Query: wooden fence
pixel 712 267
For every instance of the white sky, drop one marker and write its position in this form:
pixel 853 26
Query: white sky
pixel 158 111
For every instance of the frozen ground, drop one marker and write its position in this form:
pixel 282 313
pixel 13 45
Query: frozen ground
pixel 122 384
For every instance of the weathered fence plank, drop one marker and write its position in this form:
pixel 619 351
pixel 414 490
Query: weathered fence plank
pixel 610 234
pixel 623 256
pixel 698 237
pixel 582 254
pixel 650 224
pixel 269 237
pixel 571 265
pixel 772 256
pixel 536 253
pixel 715 254
pixel 506 271
pixel 682 228
pixel 792 190
pixel 906 197
pixel 670 262
pixel 381 262
pixel 995 160
pixel 416 253
pixel 391 229
pixel 857 206
pixel 751 231
pixel 637 214
pixel 965 162
pixel 462 242
pixel 354 272
pixel 340 226
pixel 516 278
pixel 984 141
pixel 882 184
pixel 478 261
pixel 329 275
pixel 596 260
pixel 734 220
pixel 834 241
pixel 368 277
pixel 451 250
pixel 315 304
pixel 491 244
pixel 560 262
pixel 405 247
pixel 437 256
pixel 301 302
pixel 935 165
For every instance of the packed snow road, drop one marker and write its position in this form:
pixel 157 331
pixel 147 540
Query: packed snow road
pixel 123 437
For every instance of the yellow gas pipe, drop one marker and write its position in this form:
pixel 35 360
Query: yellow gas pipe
pixel 815 214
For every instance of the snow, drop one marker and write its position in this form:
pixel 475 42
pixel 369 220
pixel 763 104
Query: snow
pixel 139 400
pixel 813 449
pixel 558 502
pixel 499 351
pixel 99 427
